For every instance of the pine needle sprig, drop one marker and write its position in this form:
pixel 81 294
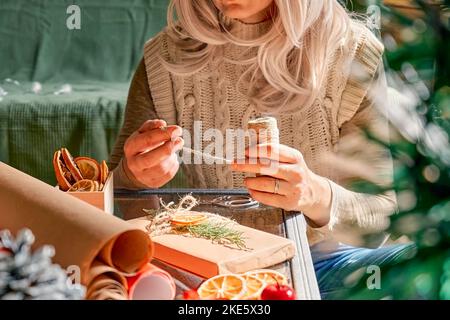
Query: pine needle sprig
pixel 218 229
pixel 217 232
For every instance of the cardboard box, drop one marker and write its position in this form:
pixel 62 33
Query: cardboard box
pixel 104 200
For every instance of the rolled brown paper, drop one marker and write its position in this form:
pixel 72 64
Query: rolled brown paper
pixel 78 231
pixel 106 283
pixel 108 290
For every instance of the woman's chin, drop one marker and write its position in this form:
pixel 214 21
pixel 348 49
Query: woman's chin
pixel 241 15
pixel 235 13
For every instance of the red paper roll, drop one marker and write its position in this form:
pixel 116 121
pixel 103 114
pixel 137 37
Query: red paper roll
pixel 151 283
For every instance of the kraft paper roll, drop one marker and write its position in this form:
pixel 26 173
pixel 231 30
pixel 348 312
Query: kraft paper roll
pixel 79 232
pixel 106 283
pixel 151 283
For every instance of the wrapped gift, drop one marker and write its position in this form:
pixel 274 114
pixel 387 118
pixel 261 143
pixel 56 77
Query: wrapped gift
pixel 207 258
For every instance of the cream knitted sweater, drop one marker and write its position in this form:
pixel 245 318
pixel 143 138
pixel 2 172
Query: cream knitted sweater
pixel 211 96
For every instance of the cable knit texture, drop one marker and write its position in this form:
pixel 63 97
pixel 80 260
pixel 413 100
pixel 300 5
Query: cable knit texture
pixel 212 97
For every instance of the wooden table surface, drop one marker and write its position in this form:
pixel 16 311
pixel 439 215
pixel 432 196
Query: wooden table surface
pixel 299 270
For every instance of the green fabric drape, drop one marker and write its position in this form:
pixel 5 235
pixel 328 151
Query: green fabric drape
pixel 85 121
pixel 97 61
pixel 36 45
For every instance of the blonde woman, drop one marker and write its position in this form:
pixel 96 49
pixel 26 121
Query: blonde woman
pixel 224 62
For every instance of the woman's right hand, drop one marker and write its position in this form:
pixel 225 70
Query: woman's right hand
pixel 150 153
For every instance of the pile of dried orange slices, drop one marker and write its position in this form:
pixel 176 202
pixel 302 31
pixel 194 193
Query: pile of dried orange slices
pixel 81 174
pixel 247 286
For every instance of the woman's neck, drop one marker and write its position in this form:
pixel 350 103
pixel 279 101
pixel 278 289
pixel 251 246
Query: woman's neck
pixel 257 18
pixel 246 30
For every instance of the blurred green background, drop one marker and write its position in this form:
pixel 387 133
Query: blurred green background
pixel 416 35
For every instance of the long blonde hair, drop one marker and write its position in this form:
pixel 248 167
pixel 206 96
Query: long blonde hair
pixel 291 64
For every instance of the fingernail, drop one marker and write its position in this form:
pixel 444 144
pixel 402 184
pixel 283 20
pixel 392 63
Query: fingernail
pixel 177 132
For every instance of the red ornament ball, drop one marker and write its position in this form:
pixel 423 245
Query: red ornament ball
pixel 190 295
pixel 278 292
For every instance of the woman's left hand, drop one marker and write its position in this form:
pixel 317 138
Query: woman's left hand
pixel 286 181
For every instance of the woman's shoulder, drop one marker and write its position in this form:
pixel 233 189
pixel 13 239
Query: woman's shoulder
pixel 366 48
pixel 361 56
pixel 157 45
pixel 167 42
pixel 358 55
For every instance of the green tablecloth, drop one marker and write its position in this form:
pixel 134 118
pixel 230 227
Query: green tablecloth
pixel 86 121
pixel 33 126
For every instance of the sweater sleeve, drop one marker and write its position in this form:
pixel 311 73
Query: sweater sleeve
pixel 139 109
pixel 357 157
pixel 361 158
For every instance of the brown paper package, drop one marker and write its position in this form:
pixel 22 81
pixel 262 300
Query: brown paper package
pixel 105 248
pixel 203 258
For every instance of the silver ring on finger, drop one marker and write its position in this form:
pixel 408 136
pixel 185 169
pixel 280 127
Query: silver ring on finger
pixel 277 186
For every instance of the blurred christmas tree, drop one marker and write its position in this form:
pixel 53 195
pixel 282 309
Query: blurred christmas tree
pixel 416 35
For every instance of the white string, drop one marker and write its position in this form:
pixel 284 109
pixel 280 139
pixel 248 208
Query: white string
pixel 207 156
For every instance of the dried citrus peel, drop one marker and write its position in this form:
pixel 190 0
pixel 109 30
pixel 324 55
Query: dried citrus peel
pixel 247 286
pixel 188 218
pixel 228 287
pixel 89 168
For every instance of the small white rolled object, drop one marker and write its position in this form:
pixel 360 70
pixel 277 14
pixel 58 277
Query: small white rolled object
pixel 261 131
pixel 36 87
pixel 264 130
pixel 65 89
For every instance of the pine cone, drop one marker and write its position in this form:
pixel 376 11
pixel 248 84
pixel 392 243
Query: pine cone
pixel 26 275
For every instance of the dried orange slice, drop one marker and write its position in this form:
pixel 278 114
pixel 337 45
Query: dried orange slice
pixel 228 286
pixel 89 168
pixel 71 165
pixel 268 276
pixel 104 172
pixel 188 218
pixel 83 186
pixel 63 175
pixel 255 286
